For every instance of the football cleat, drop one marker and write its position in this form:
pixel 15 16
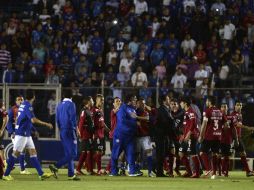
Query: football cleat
pixel 195 175
pixel 74 178
pixel 8 178
pixel 25 172
pixel 54 170
pixel 79 172
pixel 45 176
pixel 136 174
pixel 213 177
pixel 151 174
pixel 249 174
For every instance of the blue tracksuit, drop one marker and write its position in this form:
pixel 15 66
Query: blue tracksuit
pixel 124 138
pixel 66 121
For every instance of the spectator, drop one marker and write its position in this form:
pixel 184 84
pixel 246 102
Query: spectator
pixel 127 63
pixel 157 55
pixel 188 43
pixel 138 78
pixel 123 76
pixel 200 75
pixel 145 92
pixel 83 45
pixel 229 30
pixel 111 54
pixel 229 101
pixel 9 74
pixel 140 6
pixel 5 57
pixel 218 7
pixel 161 70
pixel 110 76
pixel 178 81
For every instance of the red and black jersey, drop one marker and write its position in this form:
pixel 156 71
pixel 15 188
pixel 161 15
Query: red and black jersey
pixel 227 133
pixel 3 113
pixel 113 120
pixel 238 120
pixel 215 120
pixel 190 124
pixel 99 124
pixel 143 129
pixel 85 124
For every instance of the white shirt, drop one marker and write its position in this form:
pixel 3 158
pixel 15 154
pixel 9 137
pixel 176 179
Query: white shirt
pixel 166 2
pixel 178 82
pixel 188 44
pixel 140 7
pixel 52 107
pixel 155 27
pixel 224 72
pixel 111 55
pixel 200 74
pixel 138 79
pixel 127 64
pixel 188 3
pixel 83 47
pixel 229 31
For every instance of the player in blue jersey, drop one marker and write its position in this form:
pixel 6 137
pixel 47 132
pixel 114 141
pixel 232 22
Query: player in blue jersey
pixel 66 121
pixel 124 136
pixel 12 119
pixel 23 139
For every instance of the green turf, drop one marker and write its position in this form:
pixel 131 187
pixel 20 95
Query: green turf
pixel 236 181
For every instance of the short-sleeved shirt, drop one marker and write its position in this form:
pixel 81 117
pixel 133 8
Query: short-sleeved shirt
pixel 215 120
pixel 113 124
pixel 238 119
pixel 190 123
pixel 24 124
pixel 99 124
pixel 227 134
pixel 143 129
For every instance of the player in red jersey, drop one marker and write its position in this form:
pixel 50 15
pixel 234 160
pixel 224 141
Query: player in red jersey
pixel 3 117
pixel 85 133
pixel 227 137
pixel 189 139
pixel 210 135
pixel 100 126
pixel 237 114
pixel 143 137
pixel 116 105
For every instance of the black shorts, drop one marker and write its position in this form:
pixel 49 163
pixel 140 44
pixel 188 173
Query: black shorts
pixel 1 142
pixel 240 148
pixel 169 143
pixel 99 144
pixel 225 149
pixel 111 144
pixel 177 146
pixel 189 147
pixel 86 145
pixel 207 145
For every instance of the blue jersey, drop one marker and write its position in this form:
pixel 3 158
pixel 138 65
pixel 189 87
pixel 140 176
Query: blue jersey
pixel 24 124
pixel 126 125
pixel 66 115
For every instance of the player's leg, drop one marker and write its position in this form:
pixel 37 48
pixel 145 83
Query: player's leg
pixel 225 151
pixel 171 158
pixel 1 166
pixel 204 150
pixel 82 157
pixel 194 157
pixel 215 150
pixel 98 154
pixel 123 164
pixel 147 147
pixel 108 168
pixel 184 159
pixel 138 150
pixel 161 144
pixel 89 157
pixel 178 160
pixel 72 151
pixel 116 151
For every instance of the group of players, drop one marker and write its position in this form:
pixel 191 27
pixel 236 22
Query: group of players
pixel 173 133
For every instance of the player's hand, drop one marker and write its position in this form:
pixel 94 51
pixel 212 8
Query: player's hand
pixel 200 139
pixel 153 144
pixel 12 135
pixel 49 125
pixel 133 115
pixel 36 134
pixel 138 123
pixel 1 133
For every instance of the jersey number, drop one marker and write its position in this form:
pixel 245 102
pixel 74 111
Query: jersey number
pixel 216 125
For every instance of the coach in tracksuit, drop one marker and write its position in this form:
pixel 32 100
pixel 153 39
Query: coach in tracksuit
pixel 66 121
pixel 124 136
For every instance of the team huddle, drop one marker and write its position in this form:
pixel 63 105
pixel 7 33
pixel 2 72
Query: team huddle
pixel 161 139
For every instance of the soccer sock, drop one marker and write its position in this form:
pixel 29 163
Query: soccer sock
pixel 36 164
pixel 11 162
pixel 214 161
pixel 196 164
pixel 22 161
pixel 97 158
pixel 108 168
pixel 170 163
pixel 149 163
pixel 186 163
pixel 225 165
pixel 205 161
pixel 81 161
pixel 178 162
pixel 219 165
pixel 1 167
pixel 89 162
pixel 245 164
pixel 165 164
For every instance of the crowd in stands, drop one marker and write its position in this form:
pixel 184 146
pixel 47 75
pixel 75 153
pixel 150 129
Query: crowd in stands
pixel 135 43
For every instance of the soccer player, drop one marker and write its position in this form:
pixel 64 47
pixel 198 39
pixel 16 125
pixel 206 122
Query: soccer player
pixel 189 139
pixel 99 126
pixel 85 133
pixel 227 136
pixel 213 120
pixel 23 139
pixel 124 136
pixel 116 105
pixel 3 118
pixel 12 119
pixel 144 144
pixel 237 114
pixel 66 122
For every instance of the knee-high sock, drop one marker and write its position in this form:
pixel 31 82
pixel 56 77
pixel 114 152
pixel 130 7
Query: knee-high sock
pixel 214 164
pixel 205 161
pixel 11 162
pixel 22 161
pixel 36 164
pixel 186 163
pixel 219 165
pixel 165 164
pixel 245 164
pixel 149 163
pixel 196 164
pixel 108 168
pixel 171 163
pixel 97 157
pixel 89 161
pixel 225 165
pixel 1 167
pixel 81 161
pixel 178 162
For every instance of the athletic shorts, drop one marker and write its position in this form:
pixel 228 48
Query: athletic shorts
pixel 177 146
pixel 169 143
pixel 189 147
pixel 99 144
pixel 21 143
pixel 86 145
pixel 210 145
pixel 240 148
pixel 143 143
pixel 225 149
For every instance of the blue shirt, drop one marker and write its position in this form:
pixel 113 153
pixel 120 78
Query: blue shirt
pixel 66 115
pixel 24 124
pixel 126 125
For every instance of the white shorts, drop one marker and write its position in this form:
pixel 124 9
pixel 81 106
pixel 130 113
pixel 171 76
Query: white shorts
pixel 20 143
pixel 143 143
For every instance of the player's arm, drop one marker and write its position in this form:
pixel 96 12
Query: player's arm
pixel 193 125
pixel 90 123
pixel 72 115
pixel 5 120
pixel 10 127
pixel 35 120
pixel 235 136
pixel 203 128
pixel 240 125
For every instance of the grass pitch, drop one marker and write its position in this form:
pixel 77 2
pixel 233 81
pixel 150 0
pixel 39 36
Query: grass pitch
pixel 236 181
